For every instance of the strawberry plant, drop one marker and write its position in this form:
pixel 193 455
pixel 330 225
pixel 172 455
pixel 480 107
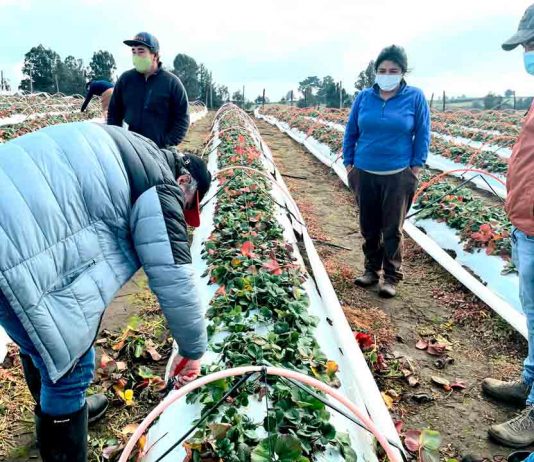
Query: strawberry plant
pixel 259 313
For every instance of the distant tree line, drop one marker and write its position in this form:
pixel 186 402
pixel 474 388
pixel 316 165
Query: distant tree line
pixel 313 91
pixel 45 71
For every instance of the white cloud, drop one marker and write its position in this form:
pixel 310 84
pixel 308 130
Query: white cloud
pixel 283 38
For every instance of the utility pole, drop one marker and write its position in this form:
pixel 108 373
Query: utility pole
pixel 340 94
pixel 211 97
pixel 243 107
pixel 263 98
pixel 514 100
pixel 291 98
pixel 444 100
pixel 431 100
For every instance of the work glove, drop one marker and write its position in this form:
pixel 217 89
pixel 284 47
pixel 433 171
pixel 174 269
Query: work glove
pixel 184 370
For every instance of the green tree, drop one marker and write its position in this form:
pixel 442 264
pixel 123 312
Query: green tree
pixel 366 78
pixel 492 101
pixel 309 87
pixel 102 66
pixel 71 76
pixel 40 67
pixel 187 70
pixel 220 96
pixel 259 100
pixel 237 98
pixel 206 85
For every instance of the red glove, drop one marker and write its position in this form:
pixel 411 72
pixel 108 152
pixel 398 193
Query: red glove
pixel 184 370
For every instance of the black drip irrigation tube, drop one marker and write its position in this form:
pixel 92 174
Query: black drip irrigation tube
pixel 263 377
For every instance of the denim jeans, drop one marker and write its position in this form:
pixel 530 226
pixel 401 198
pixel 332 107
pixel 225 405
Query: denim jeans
pixel 65 396
pixel 523 257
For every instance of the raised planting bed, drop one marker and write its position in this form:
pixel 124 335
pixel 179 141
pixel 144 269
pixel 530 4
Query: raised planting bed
pixel 263 305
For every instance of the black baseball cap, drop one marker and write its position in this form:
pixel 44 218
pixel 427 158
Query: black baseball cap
pixel 144 39
pixel 525 31
pixel 199 171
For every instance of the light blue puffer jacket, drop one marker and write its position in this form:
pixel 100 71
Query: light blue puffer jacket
pixel 82 207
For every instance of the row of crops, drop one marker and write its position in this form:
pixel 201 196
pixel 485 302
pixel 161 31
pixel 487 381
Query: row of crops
pixel 470 226
pixel 264 307
pixel 26 113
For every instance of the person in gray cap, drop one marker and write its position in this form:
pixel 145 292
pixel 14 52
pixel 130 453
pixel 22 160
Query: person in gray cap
pixel 150 100
pixel 519 431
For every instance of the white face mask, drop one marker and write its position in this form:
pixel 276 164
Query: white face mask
pixel 388 82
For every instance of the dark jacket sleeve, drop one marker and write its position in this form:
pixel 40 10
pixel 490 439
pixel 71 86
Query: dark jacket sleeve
pixel 179 115
pixel 116 106
pixel 160 238
pixel 90 94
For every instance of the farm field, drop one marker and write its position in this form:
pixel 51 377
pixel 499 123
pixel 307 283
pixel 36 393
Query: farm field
pixel 276 262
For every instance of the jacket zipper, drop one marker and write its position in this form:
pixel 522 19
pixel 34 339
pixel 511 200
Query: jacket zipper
pixel 79 268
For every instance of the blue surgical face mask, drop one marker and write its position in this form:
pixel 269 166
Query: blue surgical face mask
pixel 528 58
pixel 388 82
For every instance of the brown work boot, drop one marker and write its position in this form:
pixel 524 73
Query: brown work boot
pixel 388 289
pixel 517 432
pixel 515 392
pixel 367 279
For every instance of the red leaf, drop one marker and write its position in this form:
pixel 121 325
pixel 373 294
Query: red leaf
pixel 399 424
pixel 364 340
pixel 485 228
pixel 247 249
pixel 458 385
pixel 436 349
pixel 411 440
pixel 273 267
pixel 221 291
pixel 421 345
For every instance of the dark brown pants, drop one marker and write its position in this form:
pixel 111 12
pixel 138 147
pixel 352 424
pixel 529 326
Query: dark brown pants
pixel 384 201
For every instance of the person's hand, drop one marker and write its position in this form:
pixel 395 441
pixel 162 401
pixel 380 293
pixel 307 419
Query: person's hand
pixel 416 170
pixel 184 370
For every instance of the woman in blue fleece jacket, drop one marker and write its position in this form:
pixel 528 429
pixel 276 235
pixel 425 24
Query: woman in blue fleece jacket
pixel 385 145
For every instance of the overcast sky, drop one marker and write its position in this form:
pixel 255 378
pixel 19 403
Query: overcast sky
pixel 452 45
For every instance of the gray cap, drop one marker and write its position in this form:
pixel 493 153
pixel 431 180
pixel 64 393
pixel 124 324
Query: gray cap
pixel 525 31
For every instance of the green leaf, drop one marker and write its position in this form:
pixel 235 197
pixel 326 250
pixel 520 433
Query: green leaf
pixel 430 439
pixel 139 349
pixel 145 372
pixel 287 448
pixel 345 447
pixel 430 442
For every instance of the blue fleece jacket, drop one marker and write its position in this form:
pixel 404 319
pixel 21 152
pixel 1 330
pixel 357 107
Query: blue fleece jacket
pixel 387 135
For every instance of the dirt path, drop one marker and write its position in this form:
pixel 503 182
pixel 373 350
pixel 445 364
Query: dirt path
pixel 122 308
pixel 430 303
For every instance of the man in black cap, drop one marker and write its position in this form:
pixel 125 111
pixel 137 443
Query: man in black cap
pixel 150 100
pixel 519 431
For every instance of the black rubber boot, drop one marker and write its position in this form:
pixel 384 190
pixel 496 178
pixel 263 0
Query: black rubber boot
pixel 63 438
pixel 96 404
